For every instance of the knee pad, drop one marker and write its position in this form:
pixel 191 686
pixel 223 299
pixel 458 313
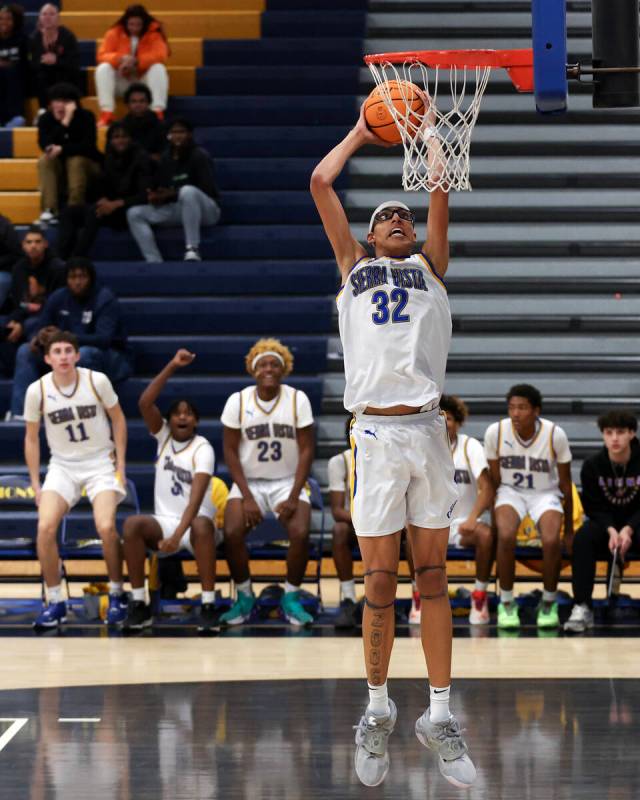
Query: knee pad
pixel 432 581
pixel 382 594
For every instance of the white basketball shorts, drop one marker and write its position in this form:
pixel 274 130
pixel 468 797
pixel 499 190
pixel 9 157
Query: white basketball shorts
pixel 269 494
pixel 532 503
pixel 402 472
pixel 95 475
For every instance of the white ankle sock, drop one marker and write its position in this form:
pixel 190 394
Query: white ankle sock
pixel 54 593
pixel 245 587
pixel 208 597
pixel 439 703
pixel 506 596
pixel 481 586
pixel 348 590
pixel 138 595
pixel 378 700
pixel 115 587
pixel 289 587
pixel 549 597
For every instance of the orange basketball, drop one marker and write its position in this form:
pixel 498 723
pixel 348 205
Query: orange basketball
pixel 408 101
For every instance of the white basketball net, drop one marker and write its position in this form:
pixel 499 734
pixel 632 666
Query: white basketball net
pixel 436 142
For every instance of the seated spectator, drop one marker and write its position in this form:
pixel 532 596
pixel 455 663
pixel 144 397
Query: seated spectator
pixel 10 252
pixel 344 537
pixel 67 137
pixel 55 57
pixel 135 49
pixel 125 178
pixel 471 524
pixel 184 192
pixel 530 463
pixel 143 125
pixel 183 512
pixel 34 277
pixel 89 311
pixel 611 499
pixel 14 66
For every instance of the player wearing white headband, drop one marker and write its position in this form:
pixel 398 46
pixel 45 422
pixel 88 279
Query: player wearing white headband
pixel 395 327
pixel 268 448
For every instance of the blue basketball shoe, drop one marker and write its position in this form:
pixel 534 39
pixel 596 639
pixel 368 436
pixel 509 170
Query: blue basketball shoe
pixel 51 615
pixel 117 611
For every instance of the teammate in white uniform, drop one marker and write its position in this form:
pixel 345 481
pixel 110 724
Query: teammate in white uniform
pixel 530 462
pixel 471 524
pixel 344 536
pixel 395 326
pixel 76 405
pixel 268 448
pixel 183 511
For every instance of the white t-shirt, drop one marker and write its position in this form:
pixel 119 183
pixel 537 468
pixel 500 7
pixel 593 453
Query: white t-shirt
pixel 469 462
pixel 176 464
pixel 528 466
pixel 339 475
pixel 268 443
pixel 395 327
pixel 75 420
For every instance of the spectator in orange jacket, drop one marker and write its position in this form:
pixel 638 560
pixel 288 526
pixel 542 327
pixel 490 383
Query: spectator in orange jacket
pixel 135 49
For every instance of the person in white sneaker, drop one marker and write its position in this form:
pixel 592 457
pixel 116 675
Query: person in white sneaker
pixel 610 482
pixel 395 327
pixel 530 462
pixel 471 526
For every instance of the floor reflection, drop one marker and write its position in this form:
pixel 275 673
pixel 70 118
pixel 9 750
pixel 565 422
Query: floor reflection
pixel 557 740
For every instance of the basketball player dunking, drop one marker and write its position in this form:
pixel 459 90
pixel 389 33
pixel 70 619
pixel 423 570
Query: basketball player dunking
pixel 395 327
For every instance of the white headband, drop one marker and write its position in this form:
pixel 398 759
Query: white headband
pixel 266 353
pixel 382 206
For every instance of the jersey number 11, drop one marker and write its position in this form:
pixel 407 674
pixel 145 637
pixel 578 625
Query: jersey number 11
pixel 81 431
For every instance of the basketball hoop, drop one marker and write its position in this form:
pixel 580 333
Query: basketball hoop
pixel 437 142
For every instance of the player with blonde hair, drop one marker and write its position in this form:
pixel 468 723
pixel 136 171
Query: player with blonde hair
pixel 268 447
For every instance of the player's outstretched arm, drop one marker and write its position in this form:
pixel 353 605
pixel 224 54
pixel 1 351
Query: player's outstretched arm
pixel 147 403
pixel 32 456
pixel 436 247
pixel 119 428
pixel 346 248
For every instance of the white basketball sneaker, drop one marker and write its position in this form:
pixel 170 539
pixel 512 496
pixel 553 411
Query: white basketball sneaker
pixel 445 738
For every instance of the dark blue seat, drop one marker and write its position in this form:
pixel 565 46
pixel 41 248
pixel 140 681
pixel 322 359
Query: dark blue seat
pixel 241 110
pixel 222 354
pixel 227 315
pixel 258 277
pixel 265 80
pixel 272 173
pixel 284 51
pixel 324 22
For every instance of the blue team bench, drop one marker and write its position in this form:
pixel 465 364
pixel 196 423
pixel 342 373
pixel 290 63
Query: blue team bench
pixel 244 315
pixel 208 393
pixel 298 277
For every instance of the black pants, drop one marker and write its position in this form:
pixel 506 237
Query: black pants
pixel 79 227
pixel 12 92
pixel 591 544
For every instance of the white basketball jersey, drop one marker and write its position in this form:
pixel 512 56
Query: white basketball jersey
pixel 339 468
pixel 395 326
pixel 75 421
pixel 268 442
pixel 176 464
pixel 528 466
pixel 469 462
